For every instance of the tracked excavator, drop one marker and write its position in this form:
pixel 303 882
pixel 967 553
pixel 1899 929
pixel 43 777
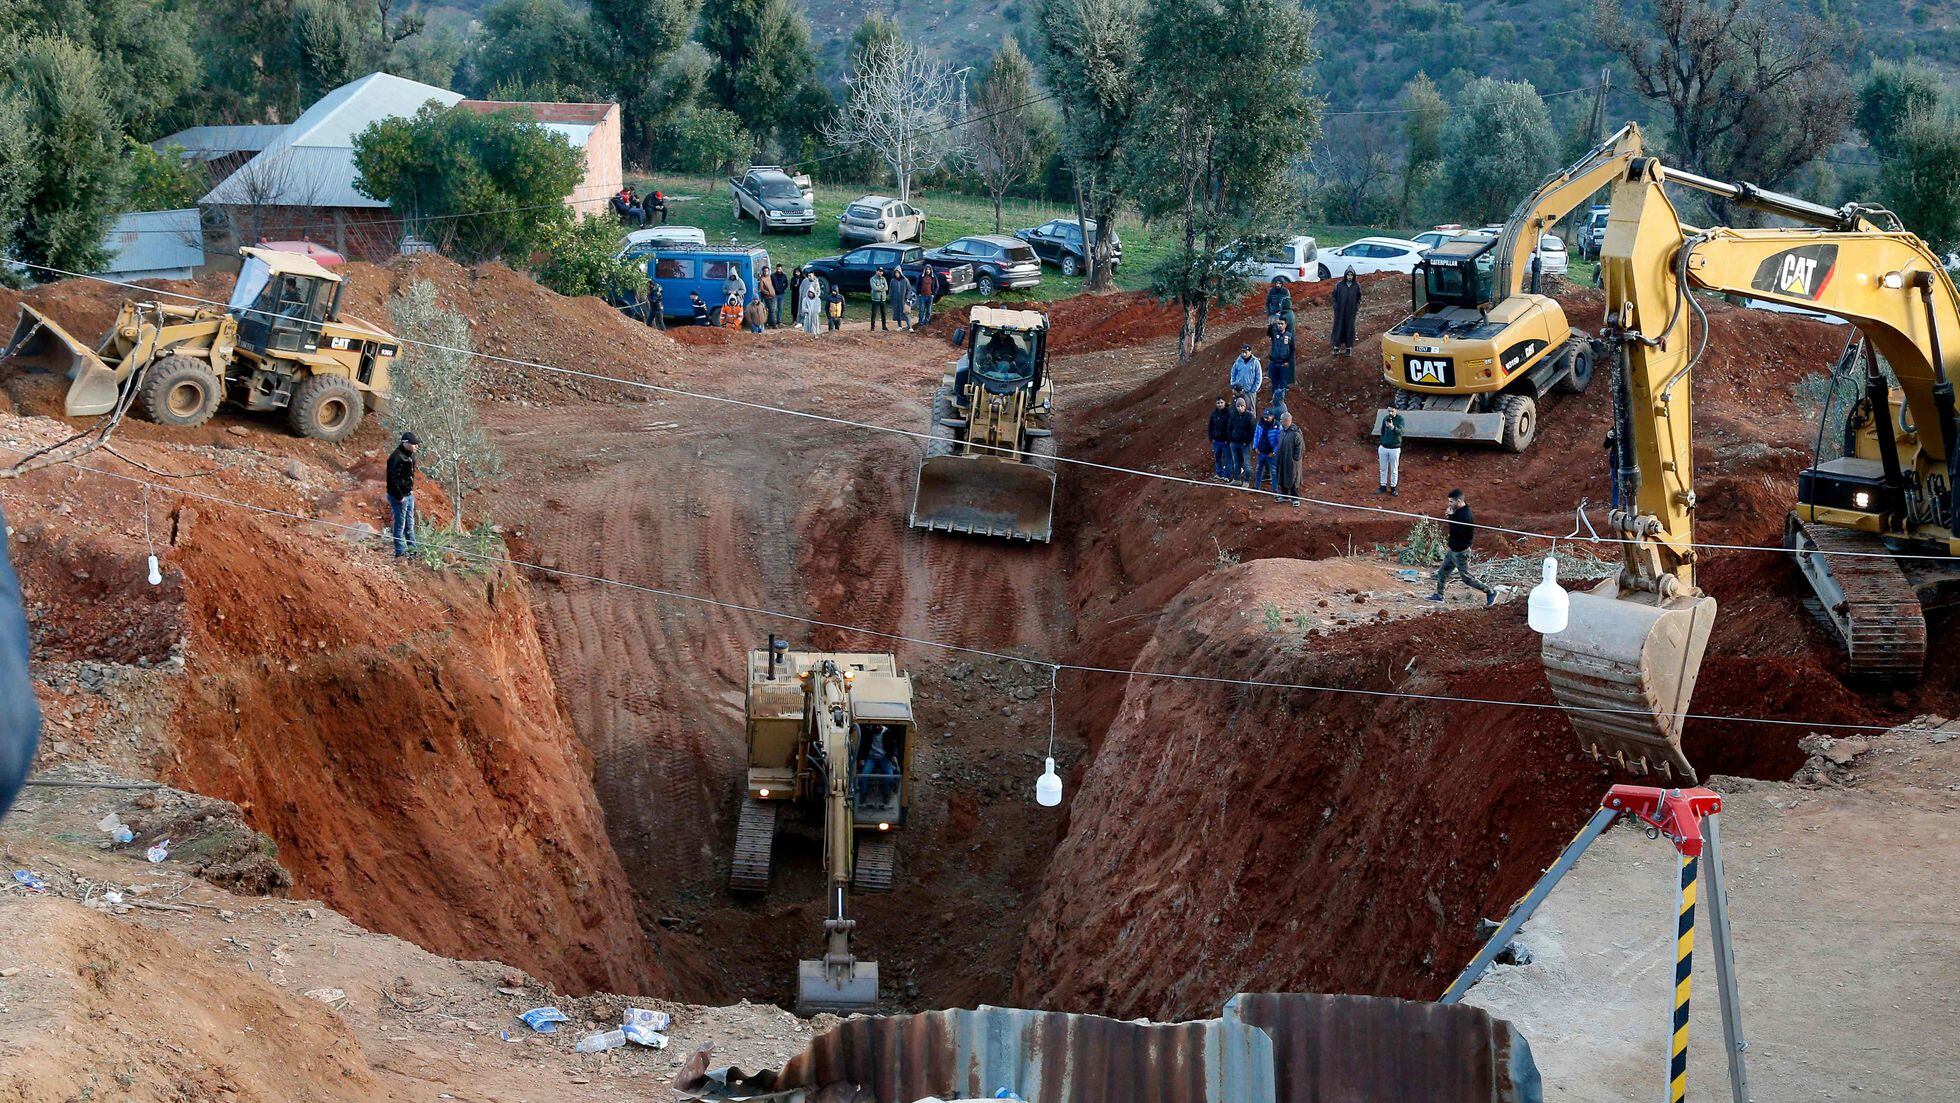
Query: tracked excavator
pixel 830 740
pixel 989 466
pixel 1485 345
pixel 1628 658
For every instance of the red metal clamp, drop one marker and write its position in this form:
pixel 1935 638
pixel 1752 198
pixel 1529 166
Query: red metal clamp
pixel 1675 813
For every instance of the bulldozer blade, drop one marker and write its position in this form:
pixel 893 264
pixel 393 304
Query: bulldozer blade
pixel 39 339
pixel 1626 666
pixel 986 497
pixel 817 991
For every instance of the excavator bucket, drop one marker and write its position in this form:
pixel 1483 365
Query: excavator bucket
pixel 1627 667
pixel 849 988
pixel 985 496
pixel 38 338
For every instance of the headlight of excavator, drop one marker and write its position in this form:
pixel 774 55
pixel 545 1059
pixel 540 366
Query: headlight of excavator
pixel 1862 499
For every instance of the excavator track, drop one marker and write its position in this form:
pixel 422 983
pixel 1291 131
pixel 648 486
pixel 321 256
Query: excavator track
pixel 877 862
pixel 755 841
pixel 1866 599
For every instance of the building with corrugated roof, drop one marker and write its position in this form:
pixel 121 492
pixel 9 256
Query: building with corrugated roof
pixel 155 245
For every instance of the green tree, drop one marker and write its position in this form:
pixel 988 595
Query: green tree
pixel 1422 132
pixel 1920 181
pixel 633 40
pixel 434 388
pixel 1005 135
pixel 1892 95
pixel 442 163
pixel 156 180
pixel 1212 147
pixel 142 48
pixel 762 58
pixel 534 44
pixel 1496 147
pixel 878 32
pixel 580 259
pixel 1089 52
pixel 705 140
pixel 17 173
pixel 55 88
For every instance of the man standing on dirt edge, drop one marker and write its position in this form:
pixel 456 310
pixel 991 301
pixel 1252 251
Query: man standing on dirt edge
pixel 1463 528
pixel 401 493
pixel 928 290
pixel 880 288
pixel 765 289
pixel 1292 446
pixel 1389 454
pixel 20 716
pixel 1347 305
pixel 1219 430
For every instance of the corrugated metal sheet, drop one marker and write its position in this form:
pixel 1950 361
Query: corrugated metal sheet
pixel 1265 1049
pixel 312 162
pixel 155 244
pixel 1345 1049
pixel 208 143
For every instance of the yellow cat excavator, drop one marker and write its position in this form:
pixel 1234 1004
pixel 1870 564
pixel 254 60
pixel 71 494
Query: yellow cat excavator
pixel 830 736
pixel 1628 658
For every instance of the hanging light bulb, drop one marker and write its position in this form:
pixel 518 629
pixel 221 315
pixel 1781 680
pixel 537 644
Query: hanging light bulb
pixel 1548 606
pixel 1048 787
pixel 156 572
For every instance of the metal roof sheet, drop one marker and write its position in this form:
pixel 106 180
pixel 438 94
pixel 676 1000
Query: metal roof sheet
pixel 207 143
pixel 312 162
pixel 154 241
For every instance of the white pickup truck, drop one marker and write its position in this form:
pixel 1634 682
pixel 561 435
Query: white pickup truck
pixel 774 198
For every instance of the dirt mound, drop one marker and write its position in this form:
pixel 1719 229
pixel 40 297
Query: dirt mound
pixel 1122 319
pixel 397 734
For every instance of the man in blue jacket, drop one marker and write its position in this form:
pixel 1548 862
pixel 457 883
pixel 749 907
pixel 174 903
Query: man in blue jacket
pixel 1265 442
pixel 1245 376
pixel 20 716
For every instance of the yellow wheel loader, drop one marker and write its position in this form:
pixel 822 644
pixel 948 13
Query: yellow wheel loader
pixel 1483 347
pixel 989 466
pixel 1628 657
pixel 281 343
pixel 830 737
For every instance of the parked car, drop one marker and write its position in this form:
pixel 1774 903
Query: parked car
pixel 775 199
pixel 1371 254
pixel 680 269
pixel 1059 242
pixel 1291 261
pixel 1552 259
pixel 877 218
pixel 1430 239
pixel 1591 233
pixel 999 262
pixel 852 272
pixel 642 243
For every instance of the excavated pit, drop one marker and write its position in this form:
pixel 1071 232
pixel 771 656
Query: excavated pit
pixel 1217 838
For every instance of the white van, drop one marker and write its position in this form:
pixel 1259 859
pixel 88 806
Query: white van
pixel 1291 261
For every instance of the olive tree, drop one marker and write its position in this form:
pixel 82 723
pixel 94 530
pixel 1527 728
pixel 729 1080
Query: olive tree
pixel 434 387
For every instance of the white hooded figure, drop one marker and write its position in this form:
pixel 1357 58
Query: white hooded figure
pixel 810 309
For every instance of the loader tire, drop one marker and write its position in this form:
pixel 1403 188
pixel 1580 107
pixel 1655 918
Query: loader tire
pixel 1580 377
pixel 1041 452
pixel 940 441
pixel 326 407
pixel 181 391
pixel 1405 400
pixel 1520 421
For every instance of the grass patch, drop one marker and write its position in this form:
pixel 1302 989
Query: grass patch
pixel 467 551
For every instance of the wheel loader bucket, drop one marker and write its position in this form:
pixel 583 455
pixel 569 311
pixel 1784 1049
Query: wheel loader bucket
pixel 1627 667
pixel 850 989
pixel 985 496
pixel 39 339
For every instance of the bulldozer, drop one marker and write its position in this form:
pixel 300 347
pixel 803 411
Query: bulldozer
pixel 830 739
pixel 1483 346
pixel 1626 662
pixel 989 465
pixel 280 343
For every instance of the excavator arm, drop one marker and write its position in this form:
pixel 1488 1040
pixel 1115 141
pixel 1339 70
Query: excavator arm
pixel 1556 197
pixel 1627 661
pixel 837 982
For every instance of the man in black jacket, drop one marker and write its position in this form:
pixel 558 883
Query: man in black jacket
pixel 1463 528
pixel 401 493
pixel 1280 364
pixel 1346 301
pixel 1292 446
pixel 780 282
pixel 1219 430
pixel 656 305
pixel 1243 429
pixel 20 716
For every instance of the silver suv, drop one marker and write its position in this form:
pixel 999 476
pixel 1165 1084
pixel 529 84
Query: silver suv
pixel 876 218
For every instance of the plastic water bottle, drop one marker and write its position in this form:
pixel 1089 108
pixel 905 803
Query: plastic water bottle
pixel 599 1043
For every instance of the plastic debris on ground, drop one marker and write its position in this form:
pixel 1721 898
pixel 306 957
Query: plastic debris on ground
pixel 599 1043
pixel 113 826
pixel 644 1027
pixel 158 852
pixel 30 882
pixel 544 1020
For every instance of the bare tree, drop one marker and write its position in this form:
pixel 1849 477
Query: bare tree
pixel 1752 88
pixel 1356 171
pixel 266 197
pixel 903 107
pixel 1002 131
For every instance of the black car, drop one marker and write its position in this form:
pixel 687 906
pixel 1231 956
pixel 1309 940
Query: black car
pixel 852 272
pixel 1059 242
pixel 998 261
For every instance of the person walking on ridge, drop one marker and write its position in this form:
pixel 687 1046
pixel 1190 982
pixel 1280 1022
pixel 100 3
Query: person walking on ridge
pixel 1462 530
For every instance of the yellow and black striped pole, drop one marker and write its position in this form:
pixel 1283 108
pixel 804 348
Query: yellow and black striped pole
pixel 1684 968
